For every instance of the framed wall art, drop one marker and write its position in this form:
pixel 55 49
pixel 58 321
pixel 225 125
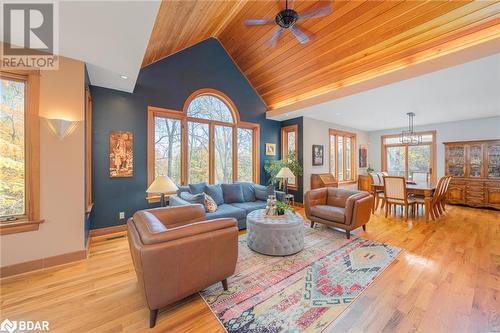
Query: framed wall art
pixel 317 155
pixel 121 154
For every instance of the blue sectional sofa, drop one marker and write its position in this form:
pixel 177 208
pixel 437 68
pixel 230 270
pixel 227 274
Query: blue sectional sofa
pixel 233 200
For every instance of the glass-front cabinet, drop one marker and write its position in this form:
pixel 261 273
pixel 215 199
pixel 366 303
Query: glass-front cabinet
pixel 475 170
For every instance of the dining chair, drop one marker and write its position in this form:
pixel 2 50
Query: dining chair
pixel 436 198
pixel 377 194
pixel 442 200
pixel 420 177
pixel 395 194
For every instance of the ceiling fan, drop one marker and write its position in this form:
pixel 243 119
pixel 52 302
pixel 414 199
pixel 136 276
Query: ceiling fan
pixel 288 18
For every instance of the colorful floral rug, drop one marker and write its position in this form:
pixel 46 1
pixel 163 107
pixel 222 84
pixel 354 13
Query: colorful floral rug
pixel 304 292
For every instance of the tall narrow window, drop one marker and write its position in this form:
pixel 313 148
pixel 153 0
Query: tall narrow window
pixel 414 162
pixel 342 160
pixel 223 146
pixel 198 152
pixel 12 168
pixel 245 154
pixel 289 147
pixel 204 143
pixel 168 148
pixel 19 152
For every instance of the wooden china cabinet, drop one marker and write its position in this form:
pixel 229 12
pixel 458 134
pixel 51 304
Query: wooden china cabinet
pixel 475 170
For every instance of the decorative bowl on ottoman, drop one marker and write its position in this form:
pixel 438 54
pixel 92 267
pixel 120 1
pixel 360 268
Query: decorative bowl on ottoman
pixel 275 235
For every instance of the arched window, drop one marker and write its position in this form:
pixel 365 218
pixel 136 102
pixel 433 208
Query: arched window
pixel 210 107
pixel 206 142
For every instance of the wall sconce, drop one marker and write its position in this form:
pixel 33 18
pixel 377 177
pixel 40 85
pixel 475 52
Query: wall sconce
pixel 62 128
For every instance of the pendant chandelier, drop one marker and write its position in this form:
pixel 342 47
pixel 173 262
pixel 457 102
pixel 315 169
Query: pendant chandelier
pixel 409 137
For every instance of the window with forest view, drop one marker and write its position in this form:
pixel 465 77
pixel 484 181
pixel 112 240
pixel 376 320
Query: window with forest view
pixel 414 162
pixel 342 160
pixel 289 141
pixel 217 147
pixel 12 148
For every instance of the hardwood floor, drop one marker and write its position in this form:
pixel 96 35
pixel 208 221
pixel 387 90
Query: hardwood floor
pixel 446 280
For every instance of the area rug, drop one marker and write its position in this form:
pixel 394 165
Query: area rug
pixel 304 292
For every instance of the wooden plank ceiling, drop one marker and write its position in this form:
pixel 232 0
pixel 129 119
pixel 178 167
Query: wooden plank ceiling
pixel 360 40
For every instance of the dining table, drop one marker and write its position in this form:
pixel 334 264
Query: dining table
pixel 424 189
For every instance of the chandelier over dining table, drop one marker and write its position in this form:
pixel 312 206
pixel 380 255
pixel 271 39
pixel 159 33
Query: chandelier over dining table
pixel 409 137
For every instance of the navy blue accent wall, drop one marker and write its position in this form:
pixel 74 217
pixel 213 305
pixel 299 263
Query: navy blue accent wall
pixel 299 194
pixel 166 83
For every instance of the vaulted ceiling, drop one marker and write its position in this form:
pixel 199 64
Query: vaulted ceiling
pixel 359 41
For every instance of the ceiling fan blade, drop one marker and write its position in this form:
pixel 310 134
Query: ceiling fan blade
pixel 259 21
pixel 301 34
pixel 276 36
pixel 317 12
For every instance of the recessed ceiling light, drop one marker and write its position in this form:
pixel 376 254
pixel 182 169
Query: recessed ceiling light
pixel 124 77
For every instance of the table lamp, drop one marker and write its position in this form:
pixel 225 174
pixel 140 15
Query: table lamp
pixel 285 173
pixel 162 185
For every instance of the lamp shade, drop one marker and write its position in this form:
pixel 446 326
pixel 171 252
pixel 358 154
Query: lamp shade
pixel 162 184
pixel 285 173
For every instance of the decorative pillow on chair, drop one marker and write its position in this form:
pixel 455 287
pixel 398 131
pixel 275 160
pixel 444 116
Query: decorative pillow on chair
pixel 193 199
pixel 210 205
pixel 232 193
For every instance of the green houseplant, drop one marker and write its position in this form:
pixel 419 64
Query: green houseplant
pixel 272 167
pixel 282 207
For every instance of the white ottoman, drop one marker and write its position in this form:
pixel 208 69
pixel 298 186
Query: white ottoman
pixel 275 236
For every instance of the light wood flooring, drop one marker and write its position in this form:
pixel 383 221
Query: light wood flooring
pixel 446 280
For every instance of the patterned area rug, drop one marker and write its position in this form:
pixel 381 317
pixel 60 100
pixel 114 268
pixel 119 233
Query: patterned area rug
pixel 300 293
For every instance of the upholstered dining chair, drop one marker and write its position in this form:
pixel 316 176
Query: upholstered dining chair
pixel 420 177
pixel 396 195
pixel 377 194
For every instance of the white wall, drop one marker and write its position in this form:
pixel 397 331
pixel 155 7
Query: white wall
pixel 474 129
pixel 316 133
pixel 62 172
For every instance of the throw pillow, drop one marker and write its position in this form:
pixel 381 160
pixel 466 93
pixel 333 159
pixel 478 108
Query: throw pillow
pixel 262 192
pixel 210 205
pixel 248 191
pixel 193 198
pixel 197 188
pixel 215 191
pixel 232 193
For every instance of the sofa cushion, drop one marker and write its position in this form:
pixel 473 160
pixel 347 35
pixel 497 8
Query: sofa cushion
pixel 262 192
pixel 193 198
pixel 248 191
pixel 215 191
pixel 226 210
pixel 183 188
pixel 251 205
pixel 330 213
pixel 232 193
pixel 197 188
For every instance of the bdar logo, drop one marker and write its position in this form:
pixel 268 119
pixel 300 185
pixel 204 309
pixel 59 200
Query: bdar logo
pixel 8 326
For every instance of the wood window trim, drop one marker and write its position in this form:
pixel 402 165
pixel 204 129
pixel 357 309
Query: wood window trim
pixel 30 221
pixel 353 137
pixel 88 150
pixel 284 151
pixel 384 146
pixel 181 115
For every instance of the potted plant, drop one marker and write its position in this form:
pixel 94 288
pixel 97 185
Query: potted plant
pixel 282 207
pixel 272 167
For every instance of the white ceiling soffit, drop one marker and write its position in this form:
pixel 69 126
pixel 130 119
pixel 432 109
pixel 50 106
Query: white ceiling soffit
pixel 467 91
pixel 109 36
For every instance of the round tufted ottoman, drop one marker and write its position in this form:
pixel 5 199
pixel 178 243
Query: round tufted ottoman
pixel 275 236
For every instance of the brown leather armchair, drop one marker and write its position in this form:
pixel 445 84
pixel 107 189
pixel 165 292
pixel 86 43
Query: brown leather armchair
pixel 177 253
pixel 339 208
